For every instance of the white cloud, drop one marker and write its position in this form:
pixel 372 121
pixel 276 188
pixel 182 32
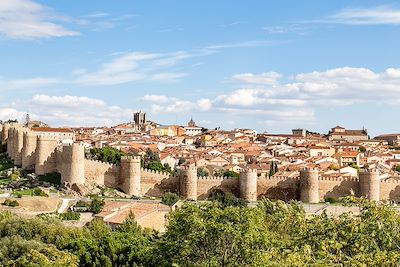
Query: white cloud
pixel 367 16
pixel 26 19
pixel 204 104
pixel 11 113
pixel 155 98
pixel 131 67
pixel 31 83
pixel 295 100
pixel 339 86
pixel 67 110
pixel 175 105
pixel 251 43
pixel 266 78
pixel 121 69
pixel 355 84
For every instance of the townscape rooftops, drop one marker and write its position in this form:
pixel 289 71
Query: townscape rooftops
pixel 350 132
pixel 55 130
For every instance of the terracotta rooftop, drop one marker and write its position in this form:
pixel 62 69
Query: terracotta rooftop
pixel 55 130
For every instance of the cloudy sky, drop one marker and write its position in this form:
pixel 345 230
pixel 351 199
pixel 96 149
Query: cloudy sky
pixel 255 64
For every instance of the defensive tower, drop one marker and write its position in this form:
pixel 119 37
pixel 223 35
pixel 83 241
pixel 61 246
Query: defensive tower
pixel 130 175
pixel 28 150
pixel 73 171
pixel 4 135
pixel 18 145
pixel 309 185
pixel 45 155
pixel 189 183
pixel 10 141
pixel 369 184
pixel 248 185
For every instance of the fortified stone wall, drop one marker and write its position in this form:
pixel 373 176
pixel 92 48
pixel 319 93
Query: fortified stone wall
pixel 279 188
pixel 154 183
pixel 337 187
pixel 390 190
pixel 46 155
pixel 205 185
pixel 97 172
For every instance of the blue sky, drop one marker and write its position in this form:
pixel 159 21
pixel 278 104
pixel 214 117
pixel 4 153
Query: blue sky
pixel 267 65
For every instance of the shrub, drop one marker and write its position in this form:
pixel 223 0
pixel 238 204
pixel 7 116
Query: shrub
pixel 11 203
pixel 96 205
pixel 330 200
pixel 70 216
pixel 39 192
pixel 226 199
pixel 170 199
pixel 53 178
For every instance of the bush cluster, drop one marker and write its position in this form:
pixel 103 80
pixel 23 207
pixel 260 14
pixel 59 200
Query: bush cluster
pixel 210 234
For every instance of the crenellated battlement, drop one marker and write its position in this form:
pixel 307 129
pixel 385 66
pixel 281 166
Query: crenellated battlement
pixel 338 179
pixel 248 170
pixel 131 158
pixel 156 173
pixel 365 171
pixel 189 168
pixel 220 178
pixel 96 161
pixel 395 182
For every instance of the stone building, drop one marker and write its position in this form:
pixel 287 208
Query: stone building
pixel 341 134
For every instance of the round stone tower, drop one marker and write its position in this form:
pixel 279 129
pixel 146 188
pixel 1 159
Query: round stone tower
pixel 45 161
pixel 309 185
pixel 18 145
pixel 13 145
pixel 10 142
pixel 1 133
pixel 4 136
pixel 248 185
pixel 73 171
pixel 28 150
pixel 369 184
pixel 130 175
pixel 189 183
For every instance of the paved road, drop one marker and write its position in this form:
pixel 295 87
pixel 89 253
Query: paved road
pixel 64 204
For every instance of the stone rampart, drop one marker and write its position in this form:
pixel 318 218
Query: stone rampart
pixel 46 159
pixel 98 172
pixel 336 187
pixel 283 188
pixel 45 155
pixel 205 185
pixel 155 183
pixel 29 150
pixel 390 190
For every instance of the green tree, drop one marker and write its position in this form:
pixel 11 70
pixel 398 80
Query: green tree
pixel 48 256
pixel 181 161
pixel 96 205
pixel 273 168
pixel 106 154
pixel 169 199
pixel 230 174
pixel 226 199
pixel 202 172
pixel 207 235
